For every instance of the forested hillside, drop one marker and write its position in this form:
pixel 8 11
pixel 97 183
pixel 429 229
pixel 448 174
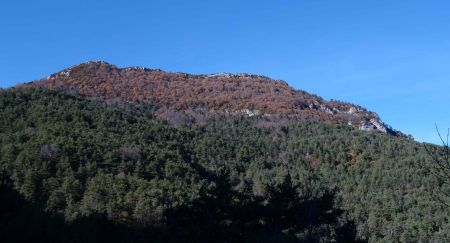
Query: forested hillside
pixel 223 93
pixel 76 169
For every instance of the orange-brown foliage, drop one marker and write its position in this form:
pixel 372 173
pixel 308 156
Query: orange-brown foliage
pixel 215 93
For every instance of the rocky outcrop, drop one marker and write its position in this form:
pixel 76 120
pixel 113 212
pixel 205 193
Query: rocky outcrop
pixel 373 125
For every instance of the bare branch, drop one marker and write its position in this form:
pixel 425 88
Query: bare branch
pixel 439 166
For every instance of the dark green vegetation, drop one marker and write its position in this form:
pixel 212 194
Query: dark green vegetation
pixel 79 170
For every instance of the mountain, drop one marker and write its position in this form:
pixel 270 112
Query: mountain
pixel 222 93
pixel 86 157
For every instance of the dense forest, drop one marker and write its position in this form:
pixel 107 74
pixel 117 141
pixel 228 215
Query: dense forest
pixel 77 170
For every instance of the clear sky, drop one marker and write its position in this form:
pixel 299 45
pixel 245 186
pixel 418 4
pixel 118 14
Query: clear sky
pixel 392 57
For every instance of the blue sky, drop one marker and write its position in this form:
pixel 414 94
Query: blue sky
pixel 392 57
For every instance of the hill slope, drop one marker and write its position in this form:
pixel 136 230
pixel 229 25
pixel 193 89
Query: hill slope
pixel 236 94
pixel 116 172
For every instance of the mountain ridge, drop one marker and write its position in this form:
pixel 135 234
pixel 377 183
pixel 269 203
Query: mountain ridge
pixel 219 93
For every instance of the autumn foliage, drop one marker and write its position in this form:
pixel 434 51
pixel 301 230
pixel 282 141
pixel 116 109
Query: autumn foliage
pixel 216 93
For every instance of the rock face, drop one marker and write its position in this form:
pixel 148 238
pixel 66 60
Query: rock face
pixel 235 94
pixel 373 125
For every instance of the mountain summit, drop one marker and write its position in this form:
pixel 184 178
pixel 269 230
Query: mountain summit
pixel 221 93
